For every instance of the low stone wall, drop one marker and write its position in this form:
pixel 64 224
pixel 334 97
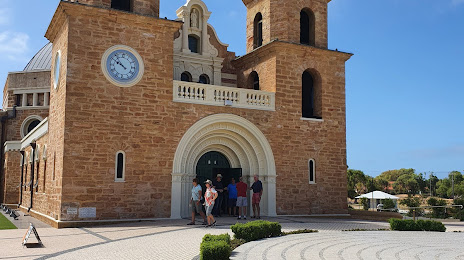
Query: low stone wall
pixel 374 215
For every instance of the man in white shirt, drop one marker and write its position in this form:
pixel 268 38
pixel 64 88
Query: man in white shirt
pixel 195 204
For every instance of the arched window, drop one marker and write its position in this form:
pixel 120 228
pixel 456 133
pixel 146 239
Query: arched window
pixel 124 5
pixel 312 171
pixel 194 43
pixel 258 30
pixel 120 169
pixel 204 79
pixel 307 27
pixel 308 95
pixel 29 124
pixel 253 81
pixel 32 125
pixel 185 76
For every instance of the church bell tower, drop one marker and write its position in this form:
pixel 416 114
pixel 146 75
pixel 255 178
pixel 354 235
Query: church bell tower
pixel 295 21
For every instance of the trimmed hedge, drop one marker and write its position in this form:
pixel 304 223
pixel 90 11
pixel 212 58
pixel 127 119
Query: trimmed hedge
pixel 419 225
pixel 256 230
pixel 215 247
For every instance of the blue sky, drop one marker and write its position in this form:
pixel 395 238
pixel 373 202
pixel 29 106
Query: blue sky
pixel 405 83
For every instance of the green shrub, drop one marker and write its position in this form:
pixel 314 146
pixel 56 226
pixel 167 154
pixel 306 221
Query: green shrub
pixel 437 212
pixel 223 237
pixel 256 230
pixel 420 225
pixel 457 212
pixel 365 203
pixel 389 204
pixel 215 250
pixel 412 202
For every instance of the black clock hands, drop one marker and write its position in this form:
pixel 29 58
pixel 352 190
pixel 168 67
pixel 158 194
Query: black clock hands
pixel 119 62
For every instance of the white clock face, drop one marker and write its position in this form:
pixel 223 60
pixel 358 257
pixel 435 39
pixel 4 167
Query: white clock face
pixel 122 66
pixel 57 70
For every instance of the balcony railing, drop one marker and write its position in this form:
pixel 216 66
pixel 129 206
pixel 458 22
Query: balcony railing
pixel 204 94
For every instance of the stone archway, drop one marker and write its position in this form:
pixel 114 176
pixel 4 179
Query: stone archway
pixel 244 145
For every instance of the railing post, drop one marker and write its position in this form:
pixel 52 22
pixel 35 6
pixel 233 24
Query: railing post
pixel 209 95
pixel 243 100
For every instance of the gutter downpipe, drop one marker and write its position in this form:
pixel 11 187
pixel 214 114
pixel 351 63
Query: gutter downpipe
pixel 33 145
pixel 22 180
pixel 2 170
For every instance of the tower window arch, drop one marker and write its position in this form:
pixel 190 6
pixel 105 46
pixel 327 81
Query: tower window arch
pixel 253 81
pixel 307 27
pixel 194 43
pixel 204 79
pixel 123 5
pixel 258 30
pixel 120 167
pixel 186 76
pixel 308 95
pixel 312 171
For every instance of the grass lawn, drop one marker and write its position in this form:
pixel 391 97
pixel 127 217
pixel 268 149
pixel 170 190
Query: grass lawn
pixel 5 223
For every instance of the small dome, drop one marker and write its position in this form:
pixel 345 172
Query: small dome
pixel 42 60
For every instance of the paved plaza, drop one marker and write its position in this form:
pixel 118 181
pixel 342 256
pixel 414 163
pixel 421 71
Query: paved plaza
pixel 173 239
pixel 356 245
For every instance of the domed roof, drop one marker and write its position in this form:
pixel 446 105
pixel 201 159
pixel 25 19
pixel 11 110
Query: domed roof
pixel 42 60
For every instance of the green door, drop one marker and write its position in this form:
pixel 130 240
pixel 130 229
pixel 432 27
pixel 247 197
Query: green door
pixel 207 163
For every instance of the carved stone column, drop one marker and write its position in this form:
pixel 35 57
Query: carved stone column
pixel 185 32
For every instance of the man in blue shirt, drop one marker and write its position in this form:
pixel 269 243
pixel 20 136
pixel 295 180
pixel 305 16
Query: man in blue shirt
pixel 232 188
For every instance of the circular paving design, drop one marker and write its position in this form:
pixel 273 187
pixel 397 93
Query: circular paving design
pixel 363 245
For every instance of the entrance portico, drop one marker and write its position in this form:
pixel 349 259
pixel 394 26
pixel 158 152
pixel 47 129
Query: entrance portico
pixel 240 141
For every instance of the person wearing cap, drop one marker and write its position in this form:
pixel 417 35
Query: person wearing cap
pixel 220 189
pixel 210 197
pixel 195 205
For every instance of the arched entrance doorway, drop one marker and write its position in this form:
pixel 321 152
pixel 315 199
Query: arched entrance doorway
pixel 243 145
pixel 209 165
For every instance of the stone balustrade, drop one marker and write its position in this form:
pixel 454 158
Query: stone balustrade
pixel 204 94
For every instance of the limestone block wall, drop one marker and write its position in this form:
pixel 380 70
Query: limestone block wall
pixel 12 177
pixel 47 191
pixel 294 141
pixel 23 81
pixel 102 118
pixel 13 126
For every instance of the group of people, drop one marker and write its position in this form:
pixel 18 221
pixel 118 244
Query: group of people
pixel 214 196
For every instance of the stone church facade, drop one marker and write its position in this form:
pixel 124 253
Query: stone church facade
pixel 121 110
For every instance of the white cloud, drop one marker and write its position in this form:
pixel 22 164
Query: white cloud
pixel 457 2
pixel 14 45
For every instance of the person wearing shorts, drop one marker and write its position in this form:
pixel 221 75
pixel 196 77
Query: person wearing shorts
pixel 242 202
pixel 257 188
pixel 210 196
pixel 195 204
